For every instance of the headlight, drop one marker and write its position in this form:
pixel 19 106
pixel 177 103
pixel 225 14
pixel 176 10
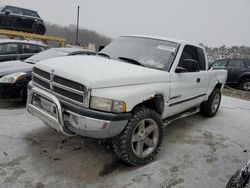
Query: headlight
pixel 12 78
pixel 107 105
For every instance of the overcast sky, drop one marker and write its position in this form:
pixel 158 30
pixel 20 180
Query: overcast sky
pixel 212 22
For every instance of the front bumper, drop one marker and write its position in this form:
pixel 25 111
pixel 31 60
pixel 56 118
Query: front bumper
pixel 72 120
pixel 12 91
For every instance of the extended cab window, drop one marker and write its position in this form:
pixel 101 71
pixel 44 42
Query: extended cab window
pixel 201 59
pixel 10 48
pixel 235 63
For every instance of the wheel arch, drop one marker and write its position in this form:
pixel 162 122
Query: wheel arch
pixel 155 103
pixel 243 77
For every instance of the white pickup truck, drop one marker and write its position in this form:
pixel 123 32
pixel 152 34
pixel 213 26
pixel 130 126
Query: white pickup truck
pixel 129 92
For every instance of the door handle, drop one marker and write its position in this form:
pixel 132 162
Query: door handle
pixel 198 80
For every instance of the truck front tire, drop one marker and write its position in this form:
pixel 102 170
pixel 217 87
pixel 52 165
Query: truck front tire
pixel 141 139
pixel 210 107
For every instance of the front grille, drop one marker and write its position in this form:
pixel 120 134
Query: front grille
pixel 68 94
pixel 59 86
pixel 41 82
pixel 69 83
pixel 42 73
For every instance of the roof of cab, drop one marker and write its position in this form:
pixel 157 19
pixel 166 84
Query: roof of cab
pixel 179 41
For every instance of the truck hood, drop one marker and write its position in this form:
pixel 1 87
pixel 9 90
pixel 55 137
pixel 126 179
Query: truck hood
pixel 100 72
pixel 10 67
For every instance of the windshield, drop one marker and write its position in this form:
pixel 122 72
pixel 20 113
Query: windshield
pixel 152 53
pixel 47 54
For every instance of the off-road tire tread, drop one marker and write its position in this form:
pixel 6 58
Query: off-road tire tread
pixel 205 108
pixel 120 142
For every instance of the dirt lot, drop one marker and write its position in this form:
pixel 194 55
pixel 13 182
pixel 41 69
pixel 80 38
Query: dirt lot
pixel 229 91
pixel 196 152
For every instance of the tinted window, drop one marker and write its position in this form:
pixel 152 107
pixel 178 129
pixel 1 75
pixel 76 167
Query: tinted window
pixel 30 48
pixel 234 63
pixel 201 59
pixel 189 52
pixel 13 10
pixel 6 49
pixel 30 13
pixel 220 64
pixel 248 62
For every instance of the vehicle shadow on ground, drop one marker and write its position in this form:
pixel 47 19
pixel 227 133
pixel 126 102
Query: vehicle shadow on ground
pixel 11 104
pixel 79 158
pixel 87 159
pixel 90 160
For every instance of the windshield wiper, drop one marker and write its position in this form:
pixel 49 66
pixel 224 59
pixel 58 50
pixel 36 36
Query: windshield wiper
pixel 104 55
pixel 31 61
pixel 130 60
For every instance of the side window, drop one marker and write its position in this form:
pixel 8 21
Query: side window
pixel 189 52
pixel 30 48
pixel 248 62
pixel 8 9
pixel 30 13
pixel 235 63
pixel 220 64
pixel 14 10
pixel 10 48
pixel 201 58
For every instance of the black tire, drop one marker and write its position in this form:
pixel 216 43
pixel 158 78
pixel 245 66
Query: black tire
pixel 238 180
pixel 207 107
pixel 245 85
pixel 123 144
pixel 38 29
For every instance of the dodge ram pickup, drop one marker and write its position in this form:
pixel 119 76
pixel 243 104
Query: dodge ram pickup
pixel 128 92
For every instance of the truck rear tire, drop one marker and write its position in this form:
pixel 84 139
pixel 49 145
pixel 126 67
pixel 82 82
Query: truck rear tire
pixel 141 139
pixel 210 107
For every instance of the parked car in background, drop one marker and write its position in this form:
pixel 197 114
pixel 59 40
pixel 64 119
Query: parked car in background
pixel 21 19
pixel 15 75
pixel 238 71
pixel 19 49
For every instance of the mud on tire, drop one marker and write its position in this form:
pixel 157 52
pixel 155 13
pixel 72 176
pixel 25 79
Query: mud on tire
pixel 150 140
pixel 210 107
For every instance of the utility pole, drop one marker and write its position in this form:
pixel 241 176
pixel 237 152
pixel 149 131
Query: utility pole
pixel 77 26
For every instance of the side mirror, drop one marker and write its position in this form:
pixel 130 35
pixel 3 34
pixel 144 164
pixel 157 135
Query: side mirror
pixel 7 12
pixel 100 48
pixel 181 70
pixel 191 65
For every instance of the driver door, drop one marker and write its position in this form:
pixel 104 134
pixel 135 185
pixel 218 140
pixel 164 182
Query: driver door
pixel 188 88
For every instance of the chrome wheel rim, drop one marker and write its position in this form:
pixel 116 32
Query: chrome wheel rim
pixel 216 103
pixel 145 138
pixel 246 86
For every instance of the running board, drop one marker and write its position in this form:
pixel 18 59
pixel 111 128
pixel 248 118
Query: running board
pixel 186 113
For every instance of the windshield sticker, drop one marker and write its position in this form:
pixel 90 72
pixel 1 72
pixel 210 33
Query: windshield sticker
pixel 167 48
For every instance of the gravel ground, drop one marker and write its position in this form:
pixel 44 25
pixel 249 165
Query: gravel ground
pixel 231 92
